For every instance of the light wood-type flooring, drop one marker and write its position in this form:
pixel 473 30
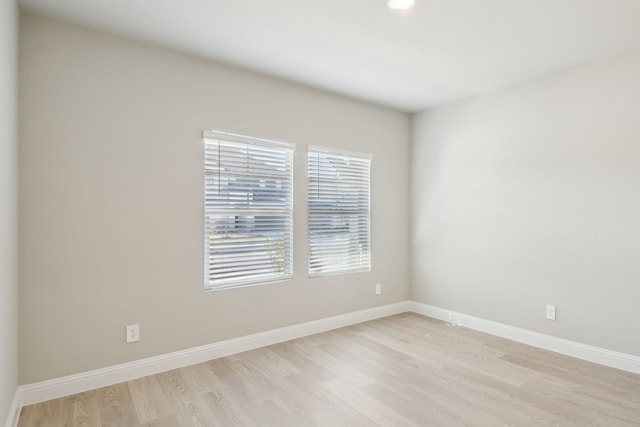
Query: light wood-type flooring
pixel 403 370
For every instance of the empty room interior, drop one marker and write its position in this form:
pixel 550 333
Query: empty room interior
pixel 319 213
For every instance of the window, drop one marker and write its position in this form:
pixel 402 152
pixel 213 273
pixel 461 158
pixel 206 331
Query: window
pixel 248 210
pixel 339 212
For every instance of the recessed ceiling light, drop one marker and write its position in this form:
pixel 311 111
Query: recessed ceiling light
pixel 400 4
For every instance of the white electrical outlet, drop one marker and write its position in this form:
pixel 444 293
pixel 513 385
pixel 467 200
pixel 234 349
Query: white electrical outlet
pixel 133 333
pixel 378 288
pixel 551 312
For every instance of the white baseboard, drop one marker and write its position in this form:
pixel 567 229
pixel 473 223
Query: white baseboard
pixel 590 353
pixel 72 384
pixel 14 410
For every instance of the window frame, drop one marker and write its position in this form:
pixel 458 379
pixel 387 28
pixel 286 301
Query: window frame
pixel 269 165
pixel 338 259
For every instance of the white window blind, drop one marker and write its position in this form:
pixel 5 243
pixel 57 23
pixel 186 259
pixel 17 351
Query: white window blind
pixel 339 211
pixel 248 210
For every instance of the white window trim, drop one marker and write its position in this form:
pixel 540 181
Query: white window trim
pixel 249 212
pixel 330 265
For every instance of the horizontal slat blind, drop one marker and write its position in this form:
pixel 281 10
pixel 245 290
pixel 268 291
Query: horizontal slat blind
pixel 339 211
pixel 248 210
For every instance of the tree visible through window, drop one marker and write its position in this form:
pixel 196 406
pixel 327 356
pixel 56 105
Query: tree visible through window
pixel 248 210
pixel 339 211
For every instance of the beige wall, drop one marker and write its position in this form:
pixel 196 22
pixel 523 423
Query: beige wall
pixel 8 207
pixel 530 196
pixel 111 199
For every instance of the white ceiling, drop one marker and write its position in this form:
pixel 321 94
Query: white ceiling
pixel 442 50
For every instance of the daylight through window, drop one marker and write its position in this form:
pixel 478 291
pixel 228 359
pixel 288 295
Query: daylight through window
pixel 339 211
pixel 248 210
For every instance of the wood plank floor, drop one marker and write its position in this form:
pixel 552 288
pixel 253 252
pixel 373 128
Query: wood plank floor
pixel 404 370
